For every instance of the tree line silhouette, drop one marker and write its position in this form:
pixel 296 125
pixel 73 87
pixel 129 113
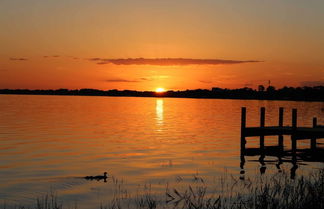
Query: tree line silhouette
pixel 270 93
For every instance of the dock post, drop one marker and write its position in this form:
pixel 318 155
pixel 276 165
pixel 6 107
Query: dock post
pixel 313 140
pixel 294 168
pixel 242 163
pixel 280 137
pixel 294 144
pixel 243 125
pixel 294 127
pixel 262 123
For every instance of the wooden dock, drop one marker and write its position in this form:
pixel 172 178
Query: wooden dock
pixel 313 154
pixel 297 133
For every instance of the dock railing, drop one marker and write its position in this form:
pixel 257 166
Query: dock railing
pixel 297 133
pixel 313 133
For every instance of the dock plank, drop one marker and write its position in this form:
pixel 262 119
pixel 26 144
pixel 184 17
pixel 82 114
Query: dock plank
pixel 300 132
pixel 267 131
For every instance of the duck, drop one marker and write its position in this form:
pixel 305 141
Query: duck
pixel 98 178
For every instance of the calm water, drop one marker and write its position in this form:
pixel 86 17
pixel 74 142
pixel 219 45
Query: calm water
pixel 48 142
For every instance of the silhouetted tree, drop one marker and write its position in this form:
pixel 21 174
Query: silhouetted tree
pixel 261 88
pixel 271 89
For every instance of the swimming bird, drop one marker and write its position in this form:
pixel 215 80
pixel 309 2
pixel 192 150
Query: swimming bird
pixel 98 178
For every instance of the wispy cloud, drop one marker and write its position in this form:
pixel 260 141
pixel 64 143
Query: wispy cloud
pixel 121 81
pixel 312 83
pixel 154 77
pixel 17 59
pixel 167 61
pixel 52 56
pixel 61 56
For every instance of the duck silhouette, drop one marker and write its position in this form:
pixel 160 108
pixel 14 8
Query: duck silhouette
pixel 98 178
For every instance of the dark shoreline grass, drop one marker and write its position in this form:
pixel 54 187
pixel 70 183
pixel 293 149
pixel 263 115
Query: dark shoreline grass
pixel 275 192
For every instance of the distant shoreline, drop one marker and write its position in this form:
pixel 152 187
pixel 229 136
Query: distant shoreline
pixel 285 94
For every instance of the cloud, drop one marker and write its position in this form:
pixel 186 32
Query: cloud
pixel 312 83
pixel 146 79
pixel 18 59
pixel 154 77
pixel 167 61
pixel 61 56
pixel 121 81
pixel 52 56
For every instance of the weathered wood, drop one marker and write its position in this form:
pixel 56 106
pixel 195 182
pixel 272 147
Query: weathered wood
pixel 243 127
pixel 268 131
pixel 262 117
pixel 294 127
pixel 300 132
pixel 281 112
pixel 314 122
pixel 280 137
pixel 262 124
pixel 313 139
pixel 308 133
pixel 297 133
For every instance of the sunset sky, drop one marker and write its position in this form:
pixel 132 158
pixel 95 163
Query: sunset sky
pixel 171 44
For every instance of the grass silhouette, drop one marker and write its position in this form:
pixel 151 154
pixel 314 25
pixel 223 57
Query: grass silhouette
pixel 275 192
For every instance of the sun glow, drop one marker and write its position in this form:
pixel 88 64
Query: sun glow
pixel 159 90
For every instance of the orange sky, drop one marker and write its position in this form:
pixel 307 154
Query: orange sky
pixel 47 44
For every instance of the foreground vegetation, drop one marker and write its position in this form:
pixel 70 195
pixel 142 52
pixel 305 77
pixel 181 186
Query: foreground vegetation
pixel 275 192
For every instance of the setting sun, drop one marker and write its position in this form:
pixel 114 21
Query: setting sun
pixel 159 90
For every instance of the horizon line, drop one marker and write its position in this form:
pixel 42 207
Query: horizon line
pixel 245 87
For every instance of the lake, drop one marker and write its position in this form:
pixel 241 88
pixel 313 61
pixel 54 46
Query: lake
pixel 48 143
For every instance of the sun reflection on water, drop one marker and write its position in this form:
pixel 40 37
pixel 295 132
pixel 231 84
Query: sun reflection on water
pixel 159 112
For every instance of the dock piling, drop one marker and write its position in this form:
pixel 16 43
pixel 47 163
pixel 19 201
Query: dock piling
pixel 280 137
pixel 313 140
pixel 281 111
pixel 297 133
pixel 262 123
pixel 294 118
pixel 243 126
pixel 294 128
